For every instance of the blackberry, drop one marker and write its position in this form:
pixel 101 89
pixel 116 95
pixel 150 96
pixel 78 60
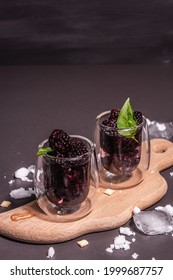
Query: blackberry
pixel 59 141
pixel 111 121
pixel 77 147
pixel 114 114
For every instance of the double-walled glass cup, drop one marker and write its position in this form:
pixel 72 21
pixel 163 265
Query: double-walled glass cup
pixel 122 161
pixel 66 188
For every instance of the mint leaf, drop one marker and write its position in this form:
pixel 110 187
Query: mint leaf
pixel 126 120
pixel 43 151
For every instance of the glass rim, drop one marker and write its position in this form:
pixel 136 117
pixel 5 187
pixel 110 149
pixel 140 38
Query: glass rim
pixel 90 143
pixel 100 116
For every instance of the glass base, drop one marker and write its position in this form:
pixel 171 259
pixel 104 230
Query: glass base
pixel 120 181
pixel 58 214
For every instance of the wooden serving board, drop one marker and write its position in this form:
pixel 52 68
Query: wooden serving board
pixel 109 212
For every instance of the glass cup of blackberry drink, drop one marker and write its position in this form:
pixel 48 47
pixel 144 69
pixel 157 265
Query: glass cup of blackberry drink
pixel 66 176
pixel 122 147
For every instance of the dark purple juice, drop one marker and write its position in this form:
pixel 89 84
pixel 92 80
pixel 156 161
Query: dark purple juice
pixel 66 180
pixel 119 153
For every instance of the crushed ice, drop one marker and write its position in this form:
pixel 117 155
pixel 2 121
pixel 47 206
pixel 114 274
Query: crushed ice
pixel 126 231
pixel 135 256
pixel 160 129
pixel 23 172
pixel 136 210
pixel 50 252
pixel 121 243
pixel 21 193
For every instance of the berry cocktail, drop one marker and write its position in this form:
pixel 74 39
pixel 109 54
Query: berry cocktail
pixel 122 144
pixel 63 174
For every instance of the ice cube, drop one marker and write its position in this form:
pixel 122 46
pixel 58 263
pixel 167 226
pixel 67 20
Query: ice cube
pixel 168 209
pixel 153 222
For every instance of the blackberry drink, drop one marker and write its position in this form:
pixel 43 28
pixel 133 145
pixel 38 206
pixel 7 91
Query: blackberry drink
pixel 67 180
pixel 122 146
pixel 66 164
pixel 118 152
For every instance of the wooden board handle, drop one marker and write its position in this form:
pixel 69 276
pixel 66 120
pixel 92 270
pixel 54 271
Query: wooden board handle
pixel 161 154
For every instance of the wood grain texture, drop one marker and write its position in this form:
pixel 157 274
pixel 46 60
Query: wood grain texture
pixel 109 212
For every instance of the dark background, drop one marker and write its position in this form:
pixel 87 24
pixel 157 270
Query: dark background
pixel 80 31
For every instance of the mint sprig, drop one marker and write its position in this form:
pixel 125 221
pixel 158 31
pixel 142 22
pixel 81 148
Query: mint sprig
pixel 43 151
pixel 126 120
